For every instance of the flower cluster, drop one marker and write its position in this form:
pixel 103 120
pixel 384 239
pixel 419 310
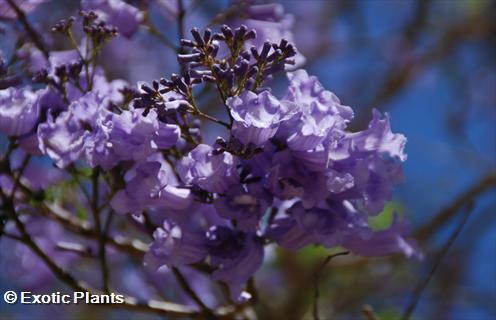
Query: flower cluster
pixel 284 170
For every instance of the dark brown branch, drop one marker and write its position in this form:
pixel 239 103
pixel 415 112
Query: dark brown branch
pixel 102 255
pixel 316 295
pixel 189 291
pixel 399 77
pixel 29 29
pixel 422 284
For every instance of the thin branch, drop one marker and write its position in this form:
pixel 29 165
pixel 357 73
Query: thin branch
pixel 17 180
pixel 154 32
pixel 368 312
pixel 316 295
pixel 422 284
pixel 29 29
pixel 8 204
pixel 399 77
pixel 481 186
pixel 130 303
pixel 181 13
pixel 187 288
pixel 98 229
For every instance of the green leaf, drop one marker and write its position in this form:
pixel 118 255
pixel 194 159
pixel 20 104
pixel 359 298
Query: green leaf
pixel 384 219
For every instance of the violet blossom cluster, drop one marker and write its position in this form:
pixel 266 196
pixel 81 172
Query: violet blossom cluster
pixel 285 170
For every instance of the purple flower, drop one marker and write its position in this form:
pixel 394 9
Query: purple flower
pixel 237 255
pixel 133 136
pixel 374 178
pixel 384 242
pixel 246 204
pixel 147 186
pixel 175 246
pixel 318 114
pixel 256 116
pixel 214 172
pixel 307 90
pixel 326 224
pixel 19 110
pixel 63 138
pixel 117 13
pixel 379 138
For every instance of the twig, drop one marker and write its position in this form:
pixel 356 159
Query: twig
pixel 422 284
pixel 98 229
pixel 368 312
pixel 29 29
pixel 315 308
pixel 427 230
pixel 17 180
pixel 165 308
pixel 181 13
pixel 8 204
pixel 187 288
pixel 399 77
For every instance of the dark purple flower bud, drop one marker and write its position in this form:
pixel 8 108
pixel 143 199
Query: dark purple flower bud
pixel 245 55
pixel 185 58
pixel 187 43
pixel 155 85
pixel 275 55
pixel 252 34
pixel 253 71
pixel 207 34
pixel 265 50
pixel 165 82
pixel 195 32
pixel 208 78
pixel 219 36
pixel 147 89
pixel 240 32
pixel 241 68
pixel 254 52
pixel 125 17
pixel 227 32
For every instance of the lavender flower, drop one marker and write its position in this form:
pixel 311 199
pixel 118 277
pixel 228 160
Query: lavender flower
pixel 19 110
pixel 245 204
pixel 285 170
pixel 379 138
pixel 256 116
pixel 148 186
pixel 208 170
pixel 63 139
pixel 384 242
pixel 135 137
pixel 175 246
pixel 238 256
pixel 317 113
pixel 327 224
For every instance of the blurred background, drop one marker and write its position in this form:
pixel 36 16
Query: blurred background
pixel 432 66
